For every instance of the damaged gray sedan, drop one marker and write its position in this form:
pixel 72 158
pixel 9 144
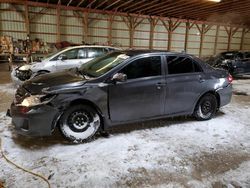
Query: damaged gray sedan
pixel 118 88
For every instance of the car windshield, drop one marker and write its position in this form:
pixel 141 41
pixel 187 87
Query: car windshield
pixel 49 55
pixel 103 64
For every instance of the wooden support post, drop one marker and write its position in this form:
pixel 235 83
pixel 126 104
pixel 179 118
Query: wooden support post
pixel 153 22
pixel 216 39
pixel 202 30
pixel 85 24
pixel 230 32
pixel 58 31
pixel 188 27
pixel 244 31
pixel 111 19
pixel 170 27
pixel 27 21
pixel 84 18
pixel 132 23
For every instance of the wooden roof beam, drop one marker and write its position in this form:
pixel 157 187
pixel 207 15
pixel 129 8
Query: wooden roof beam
pixel 70 1
pixel 123 4
pixel 81 2
pixel 112 4
pixel 102 3
pixel 167 7
pixel 91 3
pixel 143 6
pixel 134 4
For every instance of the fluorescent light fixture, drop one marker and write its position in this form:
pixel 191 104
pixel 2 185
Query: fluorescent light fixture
pixel 216 1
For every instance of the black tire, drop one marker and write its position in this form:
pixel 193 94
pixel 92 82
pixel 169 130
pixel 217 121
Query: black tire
pixel 206 107
pixel 79 123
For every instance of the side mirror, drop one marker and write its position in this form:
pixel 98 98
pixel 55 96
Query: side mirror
pixel 62 57
pixel 119 77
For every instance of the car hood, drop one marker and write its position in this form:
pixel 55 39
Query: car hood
pixel 52 82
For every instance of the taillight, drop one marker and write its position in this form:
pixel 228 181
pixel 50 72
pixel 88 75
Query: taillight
pixel 230 78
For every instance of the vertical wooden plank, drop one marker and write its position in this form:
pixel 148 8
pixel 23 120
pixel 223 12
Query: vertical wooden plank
pixel 202 33
pixel 85 23
pixel 151 34
pixel 111 19
pixel 170 34
pixel 242 39
pixel 27 22
pixel 216 39
pixel 229 39
pixel 186 36
pixel 58 32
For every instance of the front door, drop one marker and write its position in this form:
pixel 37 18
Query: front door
pixel 142 95
pixel 73 57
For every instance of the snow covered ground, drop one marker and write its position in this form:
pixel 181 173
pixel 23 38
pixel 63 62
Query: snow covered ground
pixel 179 152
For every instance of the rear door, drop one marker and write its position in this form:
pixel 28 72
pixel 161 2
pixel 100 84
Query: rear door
pixel 142 95
pixel 185 82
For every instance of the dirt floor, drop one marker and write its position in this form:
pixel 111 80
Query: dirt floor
pixel 173 152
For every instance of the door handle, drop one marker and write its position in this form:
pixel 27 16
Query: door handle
pixel 159 85
pixel 201 80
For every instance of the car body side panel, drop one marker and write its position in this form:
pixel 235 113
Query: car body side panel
pixel 182 92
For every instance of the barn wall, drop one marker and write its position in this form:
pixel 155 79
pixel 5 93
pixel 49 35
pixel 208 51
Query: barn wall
pixel 43 26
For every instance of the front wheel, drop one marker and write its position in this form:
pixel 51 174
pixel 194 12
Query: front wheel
pixel 79 123
pixel 206 107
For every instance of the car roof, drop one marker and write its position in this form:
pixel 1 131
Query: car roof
pixel 141 52
pixel 91 46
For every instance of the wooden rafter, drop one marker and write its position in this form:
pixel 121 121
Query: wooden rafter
pixel 138 3
pixel 101 4
pixel 140 8
pixel 91 3
pixel 70 1
pixel 123 4
pixel 152 6
pixel 112 4
pixel 81 2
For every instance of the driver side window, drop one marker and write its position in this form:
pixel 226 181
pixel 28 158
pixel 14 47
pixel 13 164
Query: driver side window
pixel 70 54
pixel 143 67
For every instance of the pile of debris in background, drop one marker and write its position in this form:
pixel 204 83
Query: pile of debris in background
pixel 6 44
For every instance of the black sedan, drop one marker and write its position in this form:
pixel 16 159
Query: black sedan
pixel 118 88
pixel 236 62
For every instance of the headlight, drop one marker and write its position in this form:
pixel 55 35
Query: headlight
pixel 24 67
pixel 35 100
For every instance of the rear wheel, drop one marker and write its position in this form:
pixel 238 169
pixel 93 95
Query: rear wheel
pixel 206 107
pixel 80 123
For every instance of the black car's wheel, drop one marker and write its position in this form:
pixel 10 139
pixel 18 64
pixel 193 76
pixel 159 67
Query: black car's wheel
pixel 206 107
pixel 79 123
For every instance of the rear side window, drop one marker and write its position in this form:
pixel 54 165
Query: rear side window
pixel 95 52
pixel 143 67
pixel 180 65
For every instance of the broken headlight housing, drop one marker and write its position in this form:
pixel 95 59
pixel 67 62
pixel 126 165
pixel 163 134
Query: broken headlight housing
pixel 35 100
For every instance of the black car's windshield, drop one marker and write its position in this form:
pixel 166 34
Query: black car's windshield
pixel 103 64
